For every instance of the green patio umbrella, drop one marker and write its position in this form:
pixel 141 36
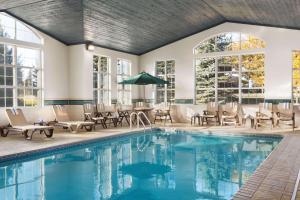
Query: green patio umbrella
pixel 143 78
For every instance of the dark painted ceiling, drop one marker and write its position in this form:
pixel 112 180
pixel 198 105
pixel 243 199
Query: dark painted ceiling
pixel 138 26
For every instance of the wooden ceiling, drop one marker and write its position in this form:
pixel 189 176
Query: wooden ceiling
pixel 139 26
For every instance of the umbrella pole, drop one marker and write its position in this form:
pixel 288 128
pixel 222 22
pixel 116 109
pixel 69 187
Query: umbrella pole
pixel 145 94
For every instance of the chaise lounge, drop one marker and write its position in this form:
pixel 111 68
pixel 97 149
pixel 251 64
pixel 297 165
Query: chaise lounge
pixel 62 119
pixel 18 123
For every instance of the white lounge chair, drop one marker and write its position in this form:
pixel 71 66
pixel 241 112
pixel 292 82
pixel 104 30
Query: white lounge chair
pixel 62 119
pixel 18 123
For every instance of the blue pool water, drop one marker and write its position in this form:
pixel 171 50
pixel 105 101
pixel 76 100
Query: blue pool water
pixel 152 166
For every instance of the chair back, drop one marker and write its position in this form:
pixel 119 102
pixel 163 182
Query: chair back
pixel 212 107
pixel 140 104
pixel 16 117
pixel 266 108
pixel 231 108
pixel 61 113
pixel 100 107
pixel 119 106
pixel 285 108
pixel 127 107
pixel 89 108
pixel 109 109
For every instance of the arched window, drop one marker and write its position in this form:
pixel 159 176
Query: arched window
pixel 20 64
pixel 229 67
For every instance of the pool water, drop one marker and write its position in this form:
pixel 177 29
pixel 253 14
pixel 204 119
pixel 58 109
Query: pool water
pixel 158 165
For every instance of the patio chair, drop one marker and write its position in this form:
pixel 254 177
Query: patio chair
pixel 264 114
pixel 285 114
pixel 90 115
pixel 109 114
pixel 163 112
pixel 230 114
pixel 62 119
pixel 211 113
pixel 124 112
pixel 18 123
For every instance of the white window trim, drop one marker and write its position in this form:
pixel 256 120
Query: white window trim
pixel 217 55
pixel 165 89
pixel 125 75
pixel 98 80
pixel 28 45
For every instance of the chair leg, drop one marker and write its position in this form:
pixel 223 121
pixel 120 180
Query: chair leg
pixel 170 118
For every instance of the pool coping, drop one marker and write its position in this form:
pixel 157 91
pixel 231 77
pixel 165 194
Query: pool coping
pixel 39 151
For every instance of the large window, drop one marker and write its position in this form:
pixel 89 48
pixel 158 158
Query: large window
pixel 20 64
pixel 230 68
pixel 296 77
pixel 124 72
pixel 165 70
pixel 101 79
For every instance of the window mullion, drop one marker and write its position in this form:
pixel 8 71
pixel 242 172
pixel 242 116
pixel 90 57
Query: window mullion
pixel 240 79
pixel 216 79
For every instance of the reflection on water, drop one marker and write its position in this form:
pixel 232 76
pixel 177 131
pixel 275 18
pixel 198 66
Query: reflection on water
pixel 153 166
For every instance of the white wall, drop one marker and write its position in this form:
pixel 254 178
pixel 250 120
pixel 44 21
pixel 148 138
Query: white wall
pixel 56 64
pixel 278 58
pixel 81 71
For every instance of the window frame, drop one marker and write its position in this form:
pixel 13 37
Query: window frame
pixel 293 96
pixel 122 77
pixel 108 73
pixel 220 54
pixel 165 89
pixel 14 43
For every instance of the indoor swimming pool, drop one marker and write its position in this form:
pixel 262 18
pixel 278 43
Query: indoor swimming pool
pixel 153 165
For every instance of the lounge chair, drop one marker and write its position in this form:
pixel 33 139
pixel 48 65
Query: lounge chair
pixel 63 120
pixel 18 123
pixel 90 115
pixel 211 113
pixel 230 114
pixel 163 111
pixel 285 114
pixel 264 114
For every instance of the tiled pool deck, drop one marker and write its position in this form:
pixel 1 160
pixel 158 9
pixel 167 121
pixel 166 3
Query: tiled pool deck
pixel 274 179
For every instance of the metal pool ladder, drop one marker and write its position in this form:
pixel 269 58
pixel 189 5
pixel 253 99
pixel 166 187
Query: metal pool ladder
pixel 139 120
